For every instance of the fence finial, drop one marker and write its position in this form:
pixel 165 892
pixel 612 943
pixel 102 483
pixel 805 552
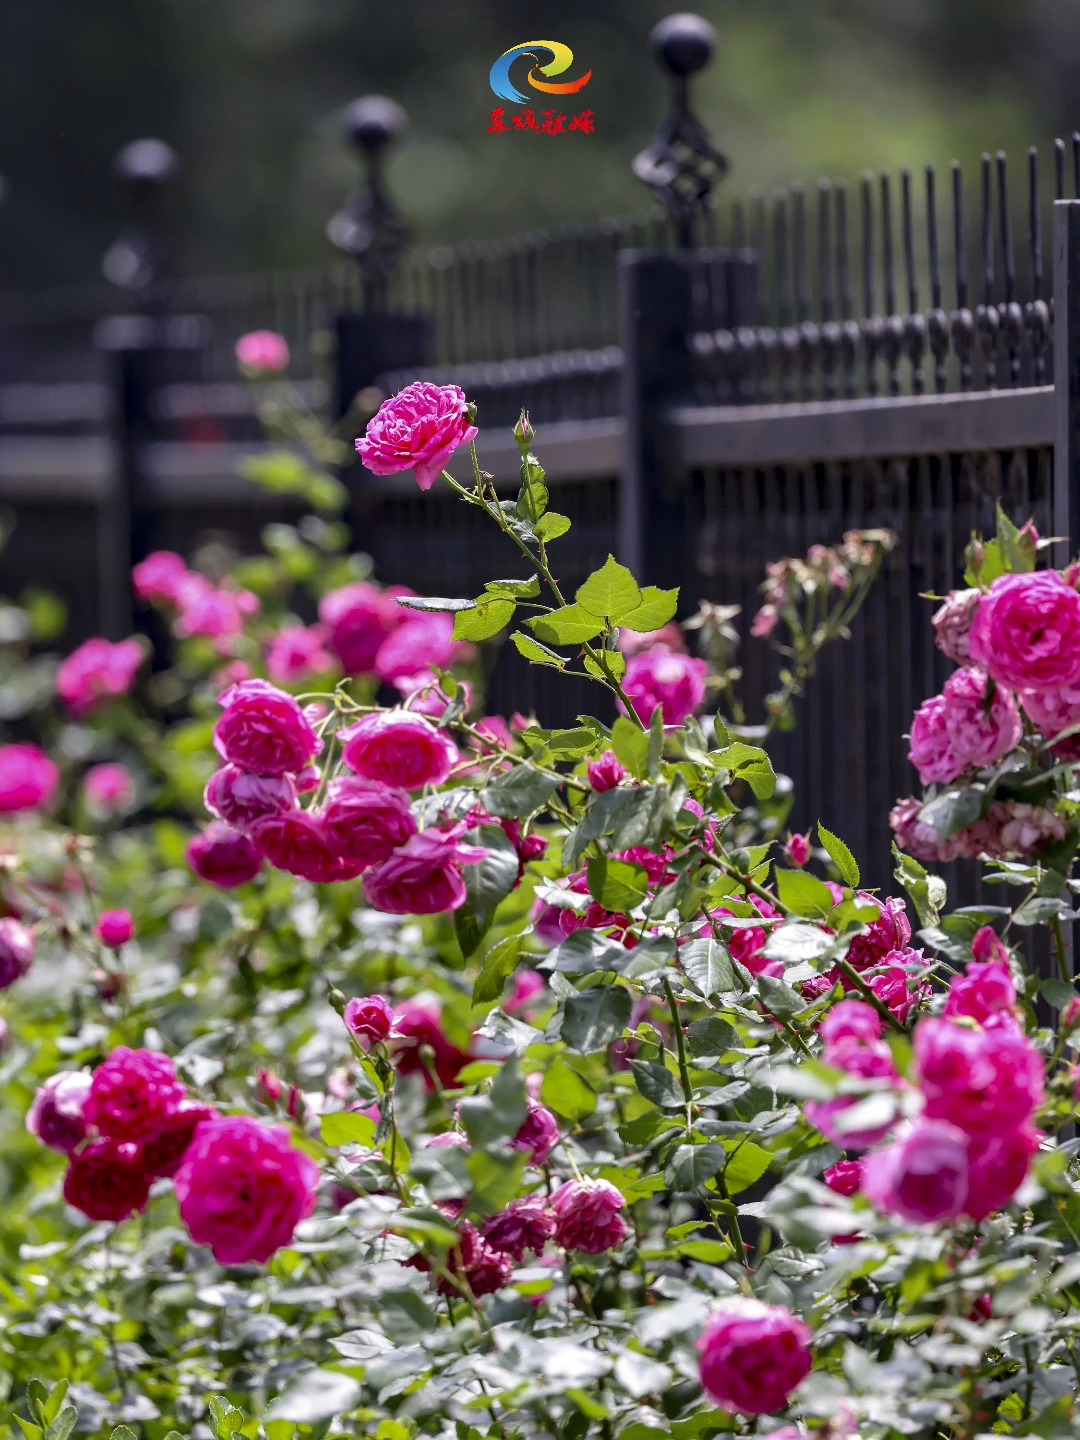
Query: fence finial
pixel 682 165
pixel 139 256
pixel 368 228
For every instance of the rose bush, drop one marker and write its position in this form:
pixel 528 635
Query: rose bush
pixel 381 1068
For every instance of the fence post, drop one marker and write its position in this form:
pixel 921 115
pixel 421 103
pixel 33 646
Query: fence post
pixel 663 299
pixel 142 349
pixel 1066 520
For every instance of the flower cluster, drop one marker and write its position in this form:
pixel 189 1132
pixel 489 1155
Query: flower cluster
pixel 789 582
pixel 98 671
pixel 196 605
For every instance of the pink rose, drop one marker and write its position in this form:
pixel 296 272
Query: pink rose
pixel 56 1112
pixel 359 617
pixel 365 821
pixel 999 1164
pixel 753 1356
pixel 952 623
pixel 163 1153
pixel 298 652
pixel 633 642
pixel 98 671
pixel 525 1224
pixel 243 1188
pixel 261 353
pixel 160 576
pixel 923 1176
pixel 1026 632
pixel 916 837
pixel 132 1094
pixel 845 1178
pixel 588 1216
pixel 240 798
pixel 986 946
pixel 980 732
pixel 539 1133
pixel 978 1080
pixel 473 1265
pixel 983 992
pixel 765 622
pixel 16 951
pixel 109 788
pixel 863 1060
pixel 28 778
pixel 418 429
pixel 850 1020
pixel 264 730
pixel 223 857
pixel 895 986
pixel 421 1046
pixel 747 942
pixel 423 876
pixel 106 1181
pixel 214 612
pixel 607 772
pixel 405 657
pixel 369 1020
pixel 931 748
pixel 1051 712
pixel 890 931
pixel 1026 829
pixel 661 677
pixel 528 986
pixel 398 747
pixel 296 841
pixel 797 850
pixel 115 928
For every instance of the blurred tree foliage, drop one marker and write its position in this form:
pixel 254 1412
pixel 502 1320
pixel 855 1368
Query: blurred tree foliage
pixel 249 92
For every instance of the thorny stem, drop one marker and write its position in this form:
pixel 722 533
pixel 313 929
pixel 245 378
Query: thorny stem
pixel 846 968
pixel 680 1042
pixel 1061 950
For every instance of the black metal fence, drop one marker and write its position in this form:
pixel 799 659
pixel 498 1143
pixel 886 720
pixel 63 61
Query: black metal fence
pixel 714 388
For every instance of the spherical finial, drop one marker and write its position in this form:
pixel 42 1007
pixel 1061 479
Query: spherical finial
pixel 146 165
pixel 684 44
pixel 373 122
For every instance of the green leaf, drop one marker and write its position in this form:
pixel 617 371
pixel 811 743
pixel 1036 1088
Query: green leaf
pixel 779 998
pixel 569 625
pixel 610 665
pixel 496 1179
pixel 618 885
pixel 535 652
pixel 225 1419
pixel 518 793
pixel 708 967
pixel 656 739
pixel 437 603
pixel 515 589
pixel 795 941
pixel 656 609
pixel 803 893
pixel 712 1037
pixel 485 619
pixel 499 1113
pixel 532 498
pixel 953 810
pixel 122 1432
pixel 570 744
pixel 846 865
pixel 658 1084
pixel 588 952
pixel 315 1396
pixel 610 592
pixel 928 892
pixel 63 1425
pixel 745 1167
pixel 749 763
pixel 406 1316
pixel 692 1166
pixel 499 964
pixel 566 1093
pixel 631 746
pixel 592 1019
pixel 347 1127
pixel 551 525
pixel 492 879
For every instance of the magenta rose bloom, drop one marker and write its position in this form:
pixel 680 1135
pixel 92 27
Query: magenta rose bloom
pixel 365 820
pixel 472 1262
pixel 28 778
pixel 890 931
pixel 539 1133
pixel 132 1094
pixel 850 1020
pixel 421 1047
pixel 115 928
pixel 406 656
pixel 845 1178
pixel 895 987
pixel 864 1060
pixel 398 747
pixel 1051 712
pixel 243 1188
pixel 978 1080
pixel 297 842
pixel 106 1181
pixel 931 748
pixel 952 624
pixel 923 1176
pixel 526 1224
pixel 56 1112
pixel 916 837
pixel 423 876
pixel 797 850
pixel 98 671
pixel 666 678
pixel 980 733
pixel 298 652
pixel 359 618
pixel 240 798
pixel 161 576
pixel 369 1019
pixel 264 730
pixel 753 1356
pixel 109 788
pixel 986 946
pixel 163 1154
pixel 418 429
pixel 999 1164
pixel 223 857
pixel 588 1216
pixel 983 992
pixel 1026 632
pixel 16 951
pixel 212 611
pixel 261 353
pixel 607 772
pixel 747 943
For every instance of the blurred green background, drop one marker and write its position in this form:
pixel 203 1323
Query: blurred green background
pixel 250 91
